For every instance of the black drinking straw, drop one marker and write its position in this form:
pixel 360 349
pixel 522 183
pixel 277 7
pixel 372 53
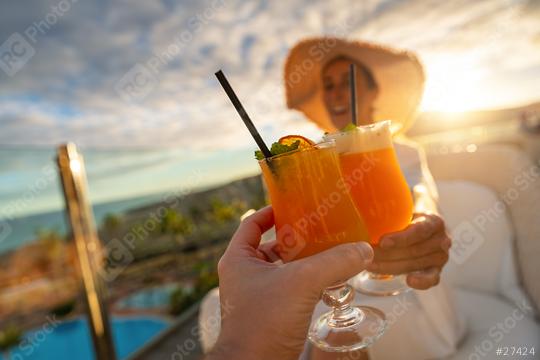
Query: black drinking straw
pixel 243 114
pixel 352 86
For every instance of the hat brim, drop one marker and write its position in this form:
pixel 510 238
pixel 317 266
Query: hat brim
pixel 399 76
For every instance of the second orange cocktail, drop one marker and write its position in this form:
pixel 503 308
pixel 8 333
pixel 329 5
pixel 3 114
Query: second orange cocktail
pixel 374 178
pixel 380 192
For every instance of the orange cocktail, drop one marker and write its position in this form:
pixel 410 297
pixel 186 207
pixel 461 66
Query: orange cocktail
pixel 313 211
pixel 373 175
pixel 380 192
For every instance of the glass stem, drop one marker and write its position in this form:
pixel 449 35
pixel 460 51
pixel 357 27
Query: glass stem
pixel 339 298
pixel 380 276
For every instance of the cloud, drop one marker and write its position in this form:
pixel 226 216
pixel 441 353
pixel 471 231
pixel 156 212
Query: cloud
pixel 68 90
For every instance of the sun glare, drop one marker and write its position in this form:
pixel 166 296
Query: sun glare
pixel 454 85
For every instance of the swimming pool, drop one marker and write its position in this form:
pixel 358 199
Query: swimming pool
pixel 71 339
pixel 149 298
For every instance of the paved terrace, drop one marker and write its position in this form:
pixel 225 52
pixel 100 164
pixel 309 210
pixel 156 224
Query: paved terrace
pixel 176 343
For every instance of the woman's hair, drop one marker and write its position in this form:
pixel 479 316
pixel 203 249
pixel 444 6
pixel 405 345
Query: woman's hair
pixel 370 79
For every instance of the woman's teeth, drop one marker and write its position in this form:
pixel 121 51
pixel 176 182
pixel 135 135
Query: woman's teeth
pixel 338 110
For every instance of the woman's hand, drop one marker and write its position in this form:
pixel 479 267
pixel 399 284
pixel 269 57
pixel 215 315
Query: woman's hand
pixel 266 307
pixel 420 251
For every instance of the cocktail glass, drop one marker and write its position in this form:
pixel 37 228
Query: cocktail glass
pixel 372 173
pixel 313 212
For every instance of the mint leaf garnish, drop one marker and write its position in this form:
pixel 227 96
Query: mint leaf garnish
pixel 278 149
pixel 349 127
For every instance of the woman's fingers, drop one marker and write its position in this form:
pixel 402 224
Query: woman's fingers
pixel 437 259
pixel 438 242
pixel 422 227
pixel 422 280
pixel 424 244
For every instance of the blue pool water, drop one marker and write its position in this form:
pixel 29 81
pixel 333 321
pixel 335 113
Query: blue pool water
pixel 154 297
pixel 71 339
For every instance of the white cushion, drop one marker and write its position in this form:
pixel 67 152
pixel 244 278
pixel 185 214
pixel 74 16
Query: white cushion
pixel 514 177
pixel 481 236
pixel 493 322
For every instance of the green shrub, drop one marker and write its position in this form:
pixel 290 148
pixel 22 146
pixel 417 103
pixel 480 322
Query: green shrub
pixel 175 223
pixel 111 222
pixel 9 337
pixel 222 212
pixel 180 300
pixel 49 235
pixel 207 279
pixel 64 309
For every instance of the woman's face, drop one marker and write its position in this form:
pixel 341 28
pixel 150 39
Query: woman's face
pixel 335 77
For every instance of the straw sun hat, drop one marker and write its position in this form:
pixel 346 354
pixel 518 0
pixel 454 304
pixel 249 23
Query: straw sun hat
pixel 398 74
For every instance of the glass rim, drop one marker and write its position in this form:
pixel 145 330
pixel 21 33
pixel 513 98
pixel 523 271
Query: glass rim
pixel 339 133
pixel 325 143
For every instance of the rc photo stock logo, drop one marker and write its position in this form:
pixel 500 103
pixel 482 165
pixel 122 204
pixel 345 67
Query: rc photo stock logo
pixel 136 84
pixel 117 258
pixel 15 52
pixel 466 239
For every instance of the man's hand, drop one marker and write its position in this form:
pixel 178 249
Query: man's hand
pixel 420 250
pixel 266 307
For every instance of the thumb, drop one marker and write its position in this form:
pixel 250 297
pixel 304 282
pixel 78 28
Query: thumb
pixel 335 265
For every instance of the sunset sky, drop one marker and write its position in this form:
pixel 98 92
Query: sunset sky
pixel 477 54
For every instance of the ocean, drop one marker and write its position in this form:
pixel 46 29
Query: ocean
pixel 22 230
pixel 118 180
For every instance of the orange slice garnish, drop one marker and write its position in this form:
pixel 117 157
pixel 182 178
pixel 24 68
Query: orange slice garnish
pixel 305 143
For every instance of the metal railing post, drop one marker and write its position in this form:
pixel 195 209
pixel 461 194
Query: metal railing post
pixel 89 250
